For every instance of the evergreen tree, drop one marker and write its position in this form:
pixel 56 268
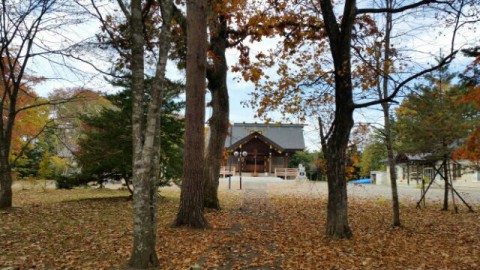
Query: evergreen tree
pixel 105 148
pixel 433 122
pixel 372 157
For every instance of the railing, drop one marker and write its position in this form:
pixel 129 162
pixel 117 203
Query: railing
pixel 286 172
pixel 227 171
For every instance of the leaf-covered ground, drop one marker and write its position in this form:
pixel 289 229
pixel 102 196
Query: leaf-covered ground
pixel 92 229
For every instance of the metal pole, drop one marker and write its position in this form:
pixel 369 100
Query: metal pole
pixel 240 161
pixel 230 181
pixel 270 164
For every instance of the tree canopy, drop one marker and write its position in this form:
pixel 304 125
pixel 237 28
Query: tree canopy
pixel 105 149
pixel 435 121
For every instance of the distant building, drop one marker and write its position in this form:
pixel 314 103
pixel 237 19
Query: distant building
pixel 268 146
pixel 412 168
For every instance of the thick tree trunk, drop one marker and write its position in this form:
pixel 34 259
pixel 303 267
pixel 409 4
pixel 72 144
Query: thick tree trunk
pixel 5 183
pixel 217 84
pixel 340 37
pixel 192 191
pixel 6 130
pixel 445 177
pixel 337 209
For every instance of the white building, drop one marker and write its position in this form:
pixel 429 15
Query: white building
pixel 411 169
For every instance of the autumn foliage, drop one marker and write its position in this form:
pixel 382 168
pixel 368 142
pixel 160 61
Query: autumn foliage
pixel 92 229
pixel 30 123
pixel 471 148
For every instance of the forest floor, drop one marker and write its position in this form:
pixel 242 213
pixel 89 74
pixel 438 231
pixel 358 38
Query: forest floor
pixel 267 225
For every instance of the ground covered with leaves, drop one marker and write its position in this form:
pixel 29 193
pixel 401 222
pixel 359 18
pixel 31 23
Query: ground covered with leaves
pixel 92 229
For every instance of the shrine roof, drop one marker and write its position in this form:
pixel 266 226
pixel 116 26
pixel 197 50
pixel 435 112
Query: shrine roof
pixel 287 136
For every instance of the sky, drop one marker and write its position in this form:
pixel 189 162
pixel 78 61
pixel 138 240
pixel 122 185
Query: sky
pixel 427 43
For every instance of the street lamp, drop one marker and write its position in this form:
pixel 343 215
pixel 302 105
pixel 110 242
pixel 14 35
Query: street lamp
pixel 239 156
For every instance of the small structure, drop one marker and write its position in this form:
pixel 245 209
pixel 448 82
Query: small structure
pixel 269 146
pixel 412 168
pixel 378 177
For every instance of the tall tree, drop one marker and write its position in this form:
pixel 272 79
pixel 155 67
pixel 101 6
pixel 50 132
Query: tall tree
pixel 192 192
pixel 143 40
pixel 105 149
pixel 24 26
pixel 383 93
pixel 146 135
pixel 217 84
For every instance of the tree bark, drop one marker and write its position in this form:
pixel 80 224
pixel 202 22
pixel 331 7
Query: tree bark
pixel 337 208
pixel 386 117
pixel 217 84
pixel 339 37
pixel 143 255
pixel 445 177
pixel 5 183
pixel 146 142
pixel 192 191
pixel 393 170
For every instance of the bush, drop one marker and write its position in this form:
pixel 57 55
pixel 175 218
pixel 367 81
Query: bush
pixel 69 182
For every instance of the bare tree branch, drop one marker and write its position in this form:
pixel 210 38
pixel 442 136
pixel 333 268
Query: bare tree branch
pixel 400 9
pixel 390 98
pixel 30 140
pixel 123 7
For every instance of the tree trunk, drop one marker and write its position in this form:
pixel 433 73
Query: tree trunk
pixel 337 208
pixel 192 191
pixel 393 171
pixel 340 39
pixel 217 84
pixel 445 177
pixel 5 183
pixel 146 143
pixel 386 117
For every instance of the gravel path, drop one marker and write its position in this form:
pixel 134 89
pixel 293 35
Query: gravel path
pixel 407 194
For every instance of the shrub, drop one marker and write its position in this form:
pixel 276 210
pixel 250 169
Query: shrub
pixel 69 182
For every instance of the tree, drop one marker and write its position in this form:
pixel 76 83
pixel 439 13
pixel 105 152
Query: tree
pixel 105 151
pixel 24 24
pixel 66 120
pixel 191 198
pixel 19 105
pixel 142 38
pixel 432 122
pixel 383 92
pixel 217 85
pixel 470 150
pixel 315 65
pixel 28 135
pixel 372 157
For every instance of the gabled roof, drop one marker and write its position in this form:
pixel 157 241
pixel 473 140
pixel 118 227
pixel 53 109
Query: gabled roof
pixel 285 136
pixel 414 158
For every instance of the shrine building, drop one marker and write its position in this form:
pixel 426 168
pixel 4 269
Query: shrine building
pixel 268 146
